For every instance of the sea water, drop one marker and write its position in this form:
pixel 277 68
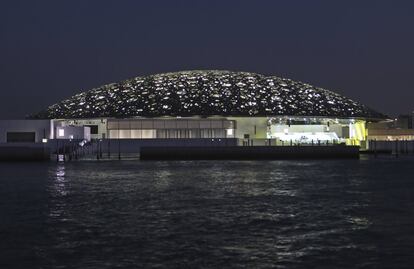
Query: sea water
pixel 208 214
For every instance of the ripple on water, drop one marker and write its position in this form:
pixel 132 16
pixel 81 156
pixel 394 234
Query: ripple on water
pixel 284 214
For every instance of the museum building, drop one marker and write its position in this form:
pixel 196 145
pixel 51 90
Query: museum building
pixel 213 104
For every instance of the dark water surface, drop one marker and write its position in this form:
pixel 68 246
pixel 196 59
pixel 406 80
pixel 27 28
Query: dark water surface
pixel 208 214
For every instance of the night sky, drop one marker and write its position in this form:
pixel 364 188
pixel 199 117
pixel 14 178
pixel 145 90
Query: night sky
pixel 50 50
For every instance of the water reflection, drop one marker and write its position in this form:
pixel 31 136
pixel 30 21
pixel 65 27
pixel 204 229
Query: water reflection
pixel 359 223
pixel 58 190
pixel 162 179
pixel 222 214
pixel 60 181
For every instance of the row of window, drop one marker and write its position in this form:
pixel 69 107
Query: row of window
pixel 170 124
pixel 170 133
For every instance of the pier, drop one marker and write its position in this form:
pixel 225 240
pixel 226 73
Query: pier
pixel 249 153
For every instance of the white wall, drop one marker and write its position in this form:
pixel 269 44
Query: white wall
pixel 169 128
pixel 101 123
pixel 41 128
pixel 314 128
pixel 246 125
pixel 73 132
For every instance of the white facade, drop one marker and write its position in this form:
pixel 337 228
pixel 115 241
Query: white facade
pixel 284 128
pixel 98 127
pixel 170 128
pixel 73 132
pixel 25 130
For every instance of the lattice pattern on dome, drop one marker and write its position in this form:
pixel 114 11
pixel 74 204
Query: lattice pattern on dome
pixel 206 93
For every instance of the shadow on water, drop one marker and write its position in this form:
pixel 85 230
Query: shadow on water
pixel 214 214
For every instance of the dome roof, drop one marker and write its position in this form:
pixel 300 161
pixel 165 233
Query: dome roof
pixel 207 93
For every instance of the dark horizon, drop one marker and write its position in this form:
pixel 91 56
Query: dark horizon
pixel 53 50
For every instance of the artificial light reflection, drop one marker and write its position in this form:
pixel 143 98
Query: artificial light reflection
pixel 58 191
pixel 60 182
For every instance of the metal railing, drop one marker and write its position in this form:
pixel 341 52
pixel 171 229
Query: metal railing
pixel 280 143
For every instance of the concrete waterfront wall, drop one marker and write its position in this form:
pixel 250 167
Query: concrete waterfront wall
pixel 249 153
pixel 135 145
pixel 112 148
pixel 24 152
pixel 394 147
pixel 105 148
pixel 170 149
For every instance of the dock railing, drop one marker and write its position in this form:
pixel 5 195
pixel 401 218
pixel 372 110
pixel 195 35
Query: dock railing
pixel 290 143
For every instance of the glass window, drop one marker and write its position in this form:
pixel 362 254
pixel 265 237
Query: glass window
pixel 124 134
pixel 113 134
pixel 136 134
pixel 146 134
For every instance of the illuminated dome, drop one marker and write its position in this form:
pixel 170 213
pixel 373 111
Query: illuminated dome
pixel 207 93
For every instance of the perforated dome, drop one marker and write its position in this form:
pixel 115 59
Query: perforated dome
pixel 207 93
